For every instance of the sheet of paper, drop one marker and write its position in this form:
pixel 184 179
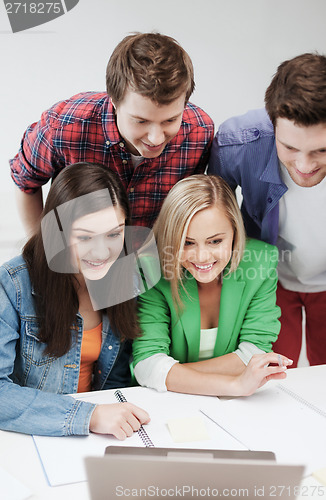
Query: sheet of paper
pixel 62 458
pixel 187 429
pixel 11 488
pixel 309 384
pixel 271 420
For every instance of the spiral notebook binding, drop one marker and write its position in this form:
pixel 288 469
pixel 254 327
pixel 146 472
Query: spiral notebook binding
pixel 145 438
pixel 302 400
pixel 141 432
pixel 120 397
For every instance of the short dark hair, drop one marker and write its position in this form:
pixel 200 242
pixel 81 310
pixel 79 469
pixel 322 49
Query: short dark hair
pixel 297 91
pixel 151 64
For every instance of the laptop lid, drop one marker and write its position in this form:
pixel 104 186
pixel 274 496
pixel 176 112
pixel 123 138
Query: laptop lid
pixel 189 473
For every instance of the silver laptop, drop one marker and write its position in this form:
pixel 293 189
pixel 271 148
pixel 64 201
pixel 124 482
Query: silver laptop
pixel 188 473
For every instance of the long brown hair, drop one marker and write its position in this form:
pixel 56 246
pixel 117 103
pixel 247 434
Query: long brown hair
pixel 56 292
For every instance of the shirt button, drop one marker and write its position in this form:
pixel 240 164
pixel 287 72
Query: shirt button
pixel 124 161
pixel 121 145
pixel 110 347
pixel 131 190
pixel 108 143
pixel 269 200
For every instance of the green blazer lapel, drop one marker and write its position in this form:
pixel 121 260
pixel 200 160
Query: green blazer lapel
pixel 232 290
pixel 190 318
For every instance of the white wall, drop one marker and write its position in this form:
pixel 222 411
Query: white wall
pixel 235 45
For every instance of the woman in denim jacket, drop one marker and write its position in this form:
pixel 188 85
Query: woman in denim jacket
pixel 59 333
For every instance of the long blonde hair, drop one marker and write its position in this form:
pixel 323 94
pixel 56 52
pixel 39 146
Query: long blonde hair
pixel 186 198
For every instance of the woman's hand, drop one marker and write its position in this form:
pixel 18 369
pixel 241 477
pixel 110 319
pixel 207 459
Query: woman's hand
pixel 119 419
pixel 260 369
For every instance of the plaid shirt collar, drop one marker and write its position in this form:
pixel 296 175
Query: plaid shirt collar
pixel 110 129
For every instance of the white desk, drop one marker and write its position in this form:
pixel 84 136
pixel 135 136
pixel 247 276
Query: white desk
pixel 19 457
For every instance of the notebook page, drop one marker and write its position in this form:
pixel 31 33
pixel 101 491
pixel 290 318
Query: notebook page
pixel 62 457
pixel 272 420
pixel 309 383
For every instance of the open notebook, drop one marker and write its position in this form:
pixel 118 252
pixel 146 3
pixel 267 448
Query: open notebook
pixel 63 457
pixel 281 417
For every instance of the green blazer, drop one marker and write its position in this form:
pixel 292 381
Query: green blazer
pixel 248 311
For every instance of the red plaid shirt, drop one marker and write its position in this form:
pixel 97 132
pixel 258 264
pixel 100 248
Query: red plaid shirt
pixel 83 128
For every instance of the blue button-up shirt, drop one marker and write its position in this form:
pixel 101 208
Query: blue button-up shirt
pixel 33 385
pixel 244 154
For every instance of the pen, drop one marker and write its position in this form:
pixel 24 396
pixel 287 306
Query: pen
pixel 280 361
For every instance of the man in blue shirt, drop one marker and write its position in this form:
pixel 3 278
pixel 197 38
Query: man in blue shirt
pixel 278 157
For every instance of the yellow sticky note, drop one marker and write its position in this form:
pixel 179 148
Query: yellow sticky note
pixel 320 475
pixel 187 429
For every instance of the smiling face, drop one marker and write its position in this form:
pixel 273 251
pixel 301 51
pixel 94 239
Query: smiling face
pixel 146 126
pixel 208 245
pixel 302 150
pixel 97 240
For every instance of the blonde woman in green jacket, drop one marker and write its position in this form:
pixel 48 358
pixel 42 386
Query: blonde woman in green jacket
pixel 209 324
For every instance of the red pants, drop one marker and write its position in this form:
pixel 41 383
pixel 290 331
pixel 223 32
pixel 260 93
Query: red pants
pixel 290 337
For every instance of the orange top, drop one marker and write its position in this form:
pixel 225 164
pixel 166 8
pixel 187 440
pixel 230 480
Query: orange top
pixel 90 351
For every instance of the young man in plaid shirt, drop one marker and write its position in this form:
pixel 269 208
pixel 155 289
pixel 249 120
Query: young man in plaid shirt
pixel 143 128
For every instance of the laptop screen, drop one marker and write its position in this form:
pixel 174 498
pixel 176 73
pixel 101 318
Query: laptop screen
pixel 185 473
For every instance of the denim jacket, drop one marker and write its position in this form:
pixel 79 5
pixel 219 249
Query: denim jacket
pixel 33 386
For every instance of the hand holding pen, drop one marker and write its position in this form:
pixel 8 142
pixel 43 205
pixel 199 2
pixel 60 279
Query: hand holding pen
pixel 121 420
